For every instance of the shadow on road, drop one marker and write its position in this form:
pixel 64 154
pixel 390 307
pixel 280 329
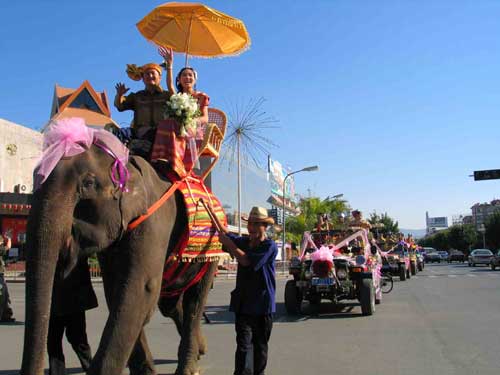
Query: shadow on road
pixel 16 323
pixel 78 370
pixel 486 269
pixel 324 310
pixel 219 314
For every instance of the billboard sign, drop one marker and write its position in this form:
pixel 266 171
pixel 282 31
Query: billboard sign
pixel 437 222
pixel 277 174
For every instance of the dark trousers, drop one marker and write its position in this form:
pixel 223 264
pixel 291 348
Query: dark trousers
pixel 252 335
pixel 76 333
pixel 6 310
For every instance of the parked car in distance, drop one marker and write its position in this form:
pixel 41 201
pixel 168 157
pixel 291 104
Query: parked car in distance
pixel 443 255
pixel 456 256
pixel 480 256
pixel 432 257
pixel 427 250
pixel 495 261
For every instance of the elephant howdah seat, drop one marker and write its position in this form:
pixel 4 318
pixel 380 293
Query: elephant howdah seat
pixel 182 152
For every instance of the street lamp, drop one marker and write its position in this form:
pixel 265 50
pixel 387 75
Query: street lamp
pixel 482 229
pixel 307 169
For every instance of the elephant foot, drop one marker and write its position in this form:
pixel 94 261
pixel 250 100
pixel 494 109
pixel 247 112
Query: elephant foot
pixel 142 370
pixel 188 370
pixel 202 345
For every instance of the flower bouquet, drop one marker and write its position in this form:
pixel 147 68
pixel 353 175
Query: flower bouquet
pixel 184 109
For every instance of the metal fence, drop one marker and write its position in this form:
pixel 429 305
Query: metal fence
pixel 226 270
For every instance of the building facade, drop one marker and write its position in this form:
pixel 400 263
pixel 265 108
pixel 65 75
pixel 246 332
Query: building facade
pixel 482 211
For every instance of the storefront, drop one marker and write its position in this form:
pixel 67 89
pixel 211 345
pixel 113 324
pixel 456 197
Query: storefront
pixel 14 211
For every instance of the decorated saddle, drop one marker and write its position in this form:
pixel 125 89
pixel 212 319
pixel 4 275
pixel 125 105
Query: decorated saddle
pixel 199 242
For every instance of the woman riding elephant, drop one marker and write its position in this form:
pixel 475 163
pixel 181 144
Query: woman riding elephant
pixel 87 192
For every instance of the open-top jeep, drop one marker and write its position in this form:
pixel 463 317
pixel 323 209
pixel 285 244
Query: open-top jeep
pixel 397 262
pixel 335 265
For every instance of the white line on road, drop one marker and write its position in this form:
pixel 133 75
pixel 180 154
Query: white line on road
pixel 452 275
pixel 471 275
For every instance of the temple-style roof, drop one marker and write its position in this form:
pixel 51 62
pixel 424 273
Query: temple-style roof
pixel 83 102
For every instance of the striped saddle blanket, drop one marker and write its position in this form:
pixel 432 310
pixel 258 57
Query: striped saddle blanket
pixel 200 241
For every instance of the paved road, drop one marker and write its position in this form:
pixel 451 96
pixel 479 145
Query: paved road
pixel 446 320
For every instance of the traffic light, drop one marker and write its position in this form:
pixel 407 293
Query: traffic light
pixel 490 174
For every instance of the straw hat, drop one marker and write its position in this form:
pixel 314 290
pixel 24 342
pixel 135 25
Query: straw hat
pixel 259 215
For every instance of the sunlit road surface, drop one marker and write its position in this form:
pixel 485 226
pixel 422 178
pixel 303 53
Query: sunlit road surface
pixel 445 320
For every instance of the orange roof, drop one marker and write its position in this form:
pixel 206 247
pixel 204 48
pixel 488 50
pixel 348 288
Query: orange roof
pixel 63 97
pixel 66 95
pixel 91 118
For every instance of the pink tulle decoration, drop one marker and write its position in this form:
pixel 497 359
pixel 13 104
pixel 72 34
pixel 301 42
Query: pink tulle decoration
pixel 323 254
pixel 69 137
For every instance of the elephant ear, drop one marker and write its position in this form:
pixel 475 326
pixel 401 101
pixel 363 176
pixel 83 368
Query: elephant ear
pixel 134 202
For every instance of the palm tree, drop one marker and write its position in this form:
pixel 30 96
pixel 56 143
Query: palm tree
pixel 246 124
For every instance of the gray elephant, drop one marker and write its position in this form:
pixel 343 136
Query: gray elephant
pixel 78 211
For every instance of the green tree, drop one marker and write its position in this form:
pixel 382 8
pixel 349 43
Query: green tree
pixel 389 224
pixel 493 231
pixel 462 237
pixel 310 208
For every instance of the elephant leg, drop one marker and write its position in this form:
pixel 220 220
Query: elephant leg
pixel 193 305
pixel 140 361
pixel 131 298
pixel 172 308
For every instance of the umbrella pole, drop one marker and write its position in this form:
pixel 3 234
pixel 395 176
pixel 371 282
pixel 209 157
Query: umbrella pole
pixel 188 39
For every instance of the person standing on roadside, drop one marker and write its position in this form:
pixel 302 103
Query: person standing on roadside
pixel 253 299
pixel 6 313
pixel 72 295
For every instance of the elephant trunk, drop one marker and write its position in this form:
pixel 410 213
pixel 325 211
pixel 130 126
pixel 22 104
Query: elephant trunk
pixel 49 228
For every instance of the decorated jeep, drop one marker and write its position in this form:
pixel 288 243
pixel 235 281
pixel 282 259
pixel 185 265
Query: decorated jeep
pixel 412 252
pixel 335 265
pixel 397 262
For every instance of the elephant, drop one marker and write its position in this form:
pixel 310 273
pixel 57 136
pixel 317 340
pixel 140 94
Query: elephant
pixel 79 211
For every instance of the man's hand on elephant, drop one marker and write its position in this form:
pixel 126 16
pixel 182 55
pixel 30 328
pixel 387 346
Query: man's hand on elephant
pixel 227 242
pixel 121 89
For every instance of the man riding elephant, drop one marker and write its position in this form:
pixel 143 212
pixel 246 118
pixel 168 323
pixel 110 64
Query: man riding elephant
pixel 149 107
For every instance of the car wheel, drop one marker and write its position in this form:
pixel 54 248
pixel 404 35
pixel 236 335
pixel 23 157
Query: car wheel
pixel 413 268
pixel 367 297
pixel 402 273
pixel 493 267
pixel 408 273
pixel 293 298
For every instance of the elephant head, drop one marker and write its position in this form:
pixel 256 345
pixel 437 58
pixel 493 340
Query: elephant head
pixel 76 211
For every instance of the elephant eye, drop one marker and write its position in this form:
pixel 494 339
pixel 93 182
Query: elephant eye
pixel 88 183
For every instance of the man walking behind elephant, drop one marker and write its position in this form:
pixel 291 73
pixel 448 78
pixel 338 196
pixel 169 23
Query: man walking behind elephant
pixel 6 313
pixel 71 297
pixel 253 299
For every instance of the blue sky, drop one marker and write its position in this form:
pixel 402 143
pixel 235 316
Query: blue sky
pixel 396 101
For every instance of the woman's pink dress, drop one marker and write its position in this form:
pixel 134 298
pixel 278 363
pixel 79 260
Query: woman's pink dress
pixel 169 145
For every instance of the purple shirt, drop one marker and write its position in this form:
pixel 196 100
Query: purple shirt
pixel 255 284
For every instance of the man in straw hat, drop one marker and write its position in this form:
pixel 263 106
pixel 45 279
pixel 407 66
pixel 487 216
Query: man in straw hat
pixel 149 105
pixel 253 299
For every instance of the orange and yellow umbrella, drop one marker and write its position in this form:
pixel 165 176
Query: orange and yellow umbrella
pixel 195 29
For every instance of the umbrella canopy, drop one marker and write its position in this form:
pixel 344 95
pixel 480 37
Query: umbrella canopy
pixel 195 30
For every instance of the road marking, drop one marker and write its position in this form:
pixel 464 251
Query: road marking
pixel 452 275
pixel 471 275
pixel 433 276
